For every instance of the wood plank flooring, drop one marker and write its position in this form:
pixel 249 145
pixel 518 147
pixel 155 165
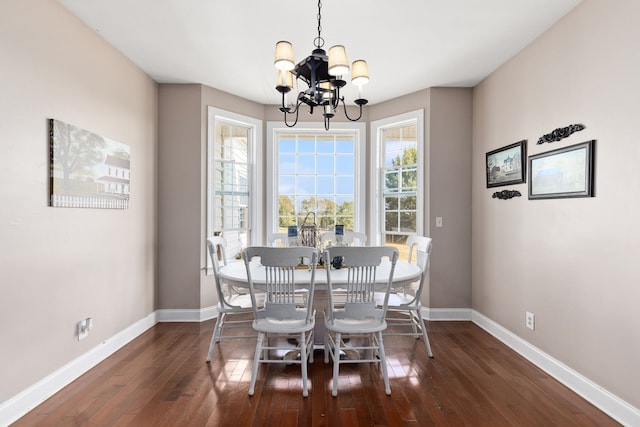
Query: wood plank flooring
pixel 161 379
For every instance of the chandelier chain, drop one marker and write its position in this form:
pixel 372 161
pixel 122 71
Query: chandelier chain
pixel 319 41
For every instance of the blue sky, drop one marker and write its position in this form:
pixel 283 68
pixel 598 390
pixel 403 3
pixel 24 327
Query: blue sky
pixel 323 167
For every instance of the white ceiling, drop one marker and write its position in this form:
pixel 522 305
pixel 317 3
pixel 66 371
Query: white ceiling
pixel 409 45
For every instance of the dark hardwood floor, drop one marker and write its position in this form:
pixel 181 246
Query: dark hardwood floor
pixel 161 379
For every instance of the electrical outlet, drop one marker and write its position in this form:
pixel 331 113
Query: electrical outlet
pixel 84 326
pixel 83 332
pixel 530 321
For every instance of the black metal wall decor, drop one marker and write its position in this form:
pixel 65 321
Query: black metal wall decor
pixel 560 133
pixel 506 194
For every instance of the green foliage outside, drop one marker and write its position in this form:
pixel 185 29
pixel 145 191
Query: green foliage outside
pixel 401 183
pixel 327 212
pixel 404 166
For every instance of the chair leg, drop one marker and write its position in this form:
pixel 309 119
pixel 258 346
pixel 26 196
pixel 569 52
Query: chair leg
pixel 215 337
pixel 303 364
pixel 265 343
pixel 326 347
pixel 336 364
pixel 425 337
pixel 383 364
pixel 414 323
pixel 256 362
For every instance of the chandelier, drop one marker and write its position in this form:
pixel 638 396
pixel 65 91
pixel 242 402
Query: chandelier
pixel 322 74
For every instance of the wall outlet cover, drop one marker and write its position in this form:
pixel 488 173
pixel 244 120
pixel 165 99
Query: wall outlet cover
pixel 530 321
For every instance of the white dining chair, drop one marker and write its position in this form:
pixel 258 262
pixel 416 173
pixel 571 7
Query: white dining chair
pixel 278 239
pixel 350 238
pixel 404 309
pixel 234 308
pixel 282 315
pixel 354 315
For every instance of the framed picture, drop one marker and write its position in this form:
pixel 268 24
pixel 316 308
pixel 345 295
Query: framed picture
pixel 565 172
pixel 86 169
pixel 507 165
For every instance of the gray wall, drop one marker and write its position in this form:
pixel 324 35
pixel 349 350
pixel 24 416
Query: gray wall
pixel 60 265
pixel 570 261
pixel 447 187
pixel 182 191
pixel 179 187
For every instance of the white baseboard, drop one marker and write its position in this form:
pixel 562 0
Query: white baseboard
pixel 616 408
pixel 446 313
pixel 14 408
pixel 187 315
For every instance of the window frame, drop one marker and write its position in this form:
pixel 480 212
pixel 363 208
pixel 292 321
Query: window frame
pixel 376 177
pixel 254 165
pixel 359 132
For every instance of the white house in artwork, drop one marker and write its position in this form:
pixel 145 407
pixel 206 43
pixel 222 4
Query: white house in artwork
pixel 116 181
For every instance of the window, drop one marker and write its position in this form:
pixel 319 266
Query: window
pixel 315 171
pixel 233 144
pixel 397 211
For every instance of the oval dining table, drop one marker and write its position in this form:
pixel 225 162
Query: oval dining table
pixel 235 274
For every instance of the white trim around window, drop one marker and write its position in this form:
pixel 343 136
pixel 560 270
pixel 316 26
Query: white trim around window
pixel 359 132
pixel 256 199
pixel 376 225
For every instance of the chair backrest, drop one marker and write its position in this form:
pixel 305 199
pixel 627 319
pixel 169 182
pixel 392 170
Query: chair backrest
pixel 216 247
pixel 220 249
pixel 280 286
pixel 422 246
pixel 278 239
pixel 357 295
pixel 352 238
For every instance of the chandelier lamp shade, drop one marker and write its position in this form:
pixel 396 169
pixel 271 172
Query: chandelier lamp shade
pixel 322 74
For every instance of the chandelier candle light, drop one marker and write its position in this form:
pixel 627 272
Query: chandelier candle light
pixel 322 74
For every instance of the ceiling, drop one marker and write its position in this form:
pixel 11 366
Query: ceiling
pixel 409 45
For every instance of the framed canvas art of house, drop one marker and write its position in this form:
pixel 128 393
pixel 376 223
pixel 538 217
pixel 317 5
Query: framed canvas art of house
pixel 86 169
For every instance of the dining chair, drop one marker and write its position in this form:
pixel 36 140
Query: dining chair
pixel 354 315
pixel 231 303
pixel 350 238
pixel 282 315
pixel 404 309
pixel 278 239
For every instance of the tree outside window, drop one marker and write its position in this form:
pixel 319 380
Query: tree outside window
pixel 400 177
